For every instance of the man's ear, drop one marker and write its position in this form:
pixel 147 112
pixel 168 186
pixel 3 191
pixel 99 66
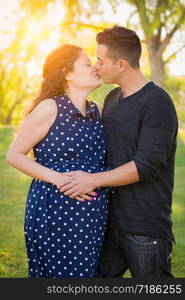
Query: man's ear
pixel 122 63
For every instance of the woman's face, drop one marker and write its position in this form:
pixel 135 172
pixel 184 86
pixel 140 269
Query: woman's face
pixel 84 75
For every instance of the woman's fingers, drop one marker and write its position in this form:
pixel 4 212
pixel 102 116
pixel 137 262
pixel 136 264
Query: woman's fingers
pixel 93 194
pixel 79 199
pixel 85 197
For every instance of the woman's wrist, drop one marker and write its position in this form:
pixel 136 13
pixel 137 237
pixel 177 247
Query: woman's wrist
pixel 55 177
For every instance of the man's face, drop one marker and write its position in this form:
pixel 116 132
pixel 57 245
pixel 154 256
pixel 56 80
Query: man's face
pixel 105 67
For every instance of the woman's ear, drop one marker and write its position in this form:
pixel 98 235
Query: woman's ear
pixel 67 75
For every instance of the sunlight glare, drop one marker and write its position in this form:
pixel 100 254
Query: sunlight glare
pixel 45 33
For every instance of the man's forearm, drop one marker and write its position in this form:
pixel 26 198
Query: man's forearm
pixel 123 175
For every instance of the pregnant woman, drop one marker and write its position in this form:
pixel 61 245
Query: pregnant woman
pixel 63 235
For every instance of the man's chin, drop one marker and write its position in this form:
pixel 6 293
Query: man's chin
pixel 100 84
pixel 97 86
pixel 106 81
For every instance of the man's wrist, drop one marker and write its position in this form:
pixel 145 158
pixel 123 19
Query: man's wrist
pixel 98 179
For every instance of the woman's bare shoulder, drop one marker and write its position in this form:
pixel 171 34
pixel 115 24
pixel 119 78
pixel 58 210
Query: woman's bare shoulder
pixel 47 106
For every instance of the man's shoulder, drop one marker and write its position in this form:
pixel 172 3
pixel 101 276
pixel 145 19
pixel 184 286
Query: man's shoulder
pixel 159 103
pixel 116 92
pixel 159 90
pixel 159 95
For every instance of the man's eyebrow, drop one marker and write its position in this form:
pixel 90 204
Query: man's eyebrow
pixel 99 59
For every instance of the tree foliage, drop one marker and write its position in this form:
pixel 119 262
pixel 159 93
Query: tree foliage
pixel 159 20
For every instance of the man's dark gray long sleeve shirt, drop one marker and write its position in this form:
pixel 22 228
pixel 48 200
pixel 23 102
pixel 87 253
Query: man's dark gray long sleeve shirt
pixel 142 128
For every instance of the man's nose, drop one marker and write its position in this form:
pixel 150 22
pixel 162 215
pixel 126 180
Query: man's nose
pixel 96 66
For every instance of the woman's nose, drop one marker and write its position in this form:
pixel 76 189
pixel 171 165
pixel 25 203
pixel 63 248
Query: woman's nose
pixel 94 69
pixel 96 66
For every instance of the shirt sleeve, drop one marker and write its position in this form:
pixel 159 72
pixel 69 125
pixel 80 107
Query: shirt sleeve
pixel 157 137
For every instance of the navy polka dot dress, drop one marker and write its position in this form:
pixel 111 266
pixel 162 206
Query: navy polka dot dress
pixel 64 236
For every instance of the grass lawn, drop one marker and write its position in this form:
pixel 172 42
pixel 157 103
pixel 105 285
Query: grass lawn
pixel 13 191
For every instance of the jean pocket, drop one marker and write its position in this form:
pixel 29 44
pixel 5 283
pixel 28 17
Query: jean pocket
pixel 142 240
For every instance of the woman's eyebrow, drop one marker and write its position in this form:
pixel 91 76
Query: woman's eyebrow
pixel 87 59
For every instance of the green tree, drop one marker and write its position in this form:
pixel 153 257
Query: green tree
pixel 159 19
pixel 12 91
pixel 15 85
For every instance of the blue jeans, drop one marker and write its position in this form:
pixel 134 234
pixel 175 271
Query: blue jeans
pixel 144 256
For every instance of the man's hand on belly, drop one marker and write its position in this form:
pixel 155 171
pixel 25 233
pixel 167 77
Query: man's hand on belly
pixel 81 186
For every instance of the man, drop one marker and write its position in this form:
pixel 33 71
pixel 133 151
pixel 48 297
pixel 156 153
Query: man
pixel 141 127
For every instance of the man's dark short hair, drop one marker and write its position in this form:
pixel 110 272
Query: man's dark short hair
pixel 122 43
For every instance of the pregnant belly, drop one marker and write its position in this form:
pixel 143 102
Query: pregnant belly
pixel 73 166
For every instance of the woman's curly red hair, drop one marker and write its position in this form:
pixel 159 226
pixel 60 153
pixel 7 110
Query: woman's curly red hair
pixel 57 64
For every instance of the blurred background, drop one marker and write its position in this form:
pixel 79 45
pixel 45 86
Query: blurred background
pixel 29 30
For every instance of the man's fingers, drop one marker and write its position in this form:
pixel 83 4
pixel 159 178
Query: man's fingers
pixel 70 192
pixel 60 185
pixel 69 173
pixel 66 187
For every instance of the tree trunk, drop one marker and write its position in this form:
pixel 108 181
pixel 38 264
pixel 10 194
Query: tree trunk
pixel 8 119
pixel 157 64
pixel 157 69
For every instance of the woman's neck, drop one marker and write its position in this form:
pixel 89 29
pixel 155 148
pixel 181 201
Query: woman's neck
pixel 78 98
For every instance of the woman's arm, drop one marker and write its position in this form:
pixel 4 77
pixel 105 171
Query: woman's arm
pixel 32 130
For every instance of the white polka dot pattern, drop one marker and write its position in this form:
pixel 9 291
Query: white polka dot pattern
pixel 64 236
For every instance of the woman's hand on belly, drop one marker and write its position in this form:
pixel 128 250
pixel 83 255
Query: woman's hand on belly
pixel 61 179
